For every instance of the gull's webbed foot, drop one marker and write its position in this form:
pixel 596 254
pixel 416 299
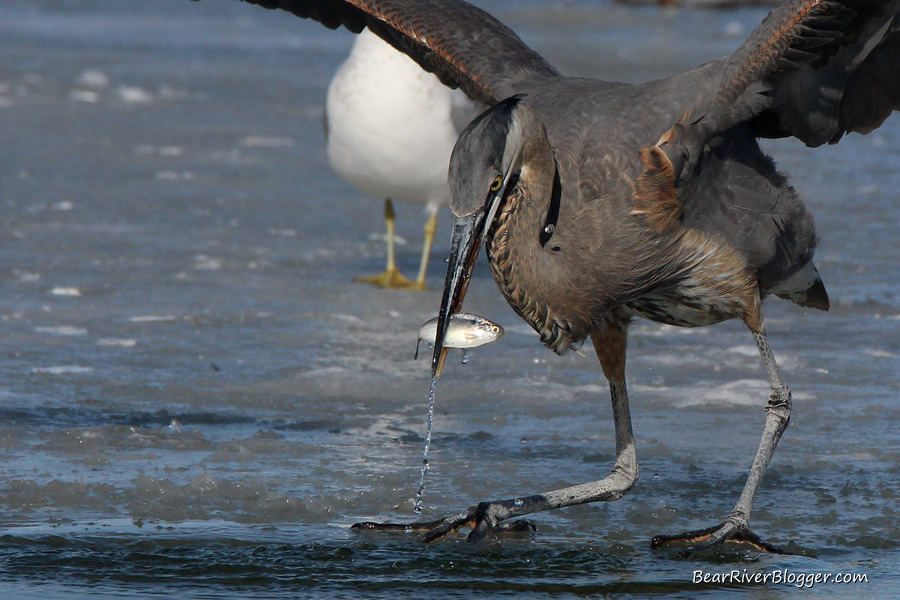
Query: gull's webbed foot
pixel 482 518
pixel 391 279
pixel 733 530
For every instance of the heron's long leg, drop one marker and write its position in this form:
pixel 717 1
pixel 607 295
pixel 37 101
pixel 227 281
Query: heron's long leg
pixel 610 345
pixel 430 229
pixel 736 526
pixel 391 277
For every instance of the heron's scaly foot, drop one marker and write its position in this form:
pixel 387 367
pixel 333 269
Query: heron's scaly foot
pixel 482 518
pixel 391 279
pixel 733 530
pixel 401 527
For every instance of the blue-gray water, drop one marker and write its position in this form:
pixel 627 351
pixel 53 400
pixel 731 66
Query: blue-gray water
pixel 196 401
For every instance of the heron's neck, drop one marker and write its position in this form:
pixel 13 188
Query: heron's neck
pixel 525 269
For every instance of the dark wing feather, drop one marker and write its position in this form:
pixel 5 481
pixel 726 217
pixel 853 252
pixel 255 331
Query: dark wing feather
pixel 873 91
pixel 814 69
pixel 736 191
pixel 460 43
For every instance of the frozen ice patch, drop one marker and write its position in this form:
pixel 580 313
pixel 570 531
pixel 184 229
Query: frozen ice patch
pixel 868 189
pixel 734 29
pixel 166 92
pixel 347 318
pixel 26 276
pixel 174 175
pixel 83 96
pixel 62 330
pixel 785 360
pixel 878 353
pixel 62 369
pixel 259 141
pixel 150 149
pixel 92 78
pixel 170 151
pixel 382 237
pixel 65 291
pixel 134 95
pixel 153 319
pixel 747 392
pixel 123 342
pixel 207 263
pixel 744 392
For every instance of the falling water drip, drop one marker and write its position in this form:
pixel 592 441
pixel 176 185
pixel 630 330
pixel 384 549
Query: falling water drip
pixel 418 506
pixel 465 358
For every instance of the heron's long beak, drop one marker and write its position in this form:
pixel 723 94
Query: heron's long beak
pixel 467 235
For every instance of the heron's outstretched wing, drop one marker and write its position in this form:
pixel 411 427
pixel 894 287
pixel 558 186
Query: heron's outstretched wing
pixel 815 69
pixel 461 44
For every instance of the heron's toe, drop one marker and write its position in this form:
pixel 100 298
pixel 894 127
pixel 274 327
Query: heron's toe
pixel 730 531
pixel 481 518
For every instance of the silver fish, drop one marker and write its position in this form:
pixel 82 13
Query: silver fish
pixel 465 330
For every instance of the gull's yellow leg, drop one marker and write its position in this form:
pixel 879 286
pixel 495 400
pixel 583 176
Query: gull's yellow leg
pixel 391 278
pixel 430 229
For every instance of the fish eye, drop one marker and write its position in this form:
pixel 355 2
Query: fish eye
pixel 495 329
pixel 496 183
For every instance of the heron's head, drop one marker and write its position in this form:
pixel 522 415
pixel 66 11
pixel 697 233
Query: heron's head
pixel 490 156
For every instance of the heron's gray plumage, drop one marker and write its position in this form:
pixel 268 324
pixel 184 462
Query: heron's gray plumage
pixel 598 202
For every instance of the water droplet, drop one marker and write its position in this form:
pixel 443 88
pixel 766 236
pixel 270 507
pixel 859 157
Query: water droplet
pixel 518 502
pixel 408 529
pixel 465 358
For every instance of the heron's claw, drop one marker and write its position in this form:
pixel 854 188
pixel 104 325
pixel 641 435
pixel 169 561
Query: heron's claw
pixel 482 518
pixel 401 527
pixel 732 530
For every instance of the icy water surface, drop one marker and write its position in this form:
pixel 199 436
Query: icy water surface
pixel 195 400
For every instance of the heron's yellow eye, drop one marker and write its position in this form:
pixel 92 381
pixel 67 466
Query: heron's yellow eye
pixel 496 183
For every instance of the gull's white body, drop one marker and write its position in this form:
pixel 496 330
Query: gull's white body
pixel 391 125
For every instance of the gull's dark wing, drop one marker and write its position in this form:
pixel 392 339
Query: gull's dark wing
pixel 814 69
pixel 460 43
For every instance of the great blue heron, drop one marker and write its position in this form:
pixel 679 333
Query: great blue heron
pixel 390 130
pixel 598 202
